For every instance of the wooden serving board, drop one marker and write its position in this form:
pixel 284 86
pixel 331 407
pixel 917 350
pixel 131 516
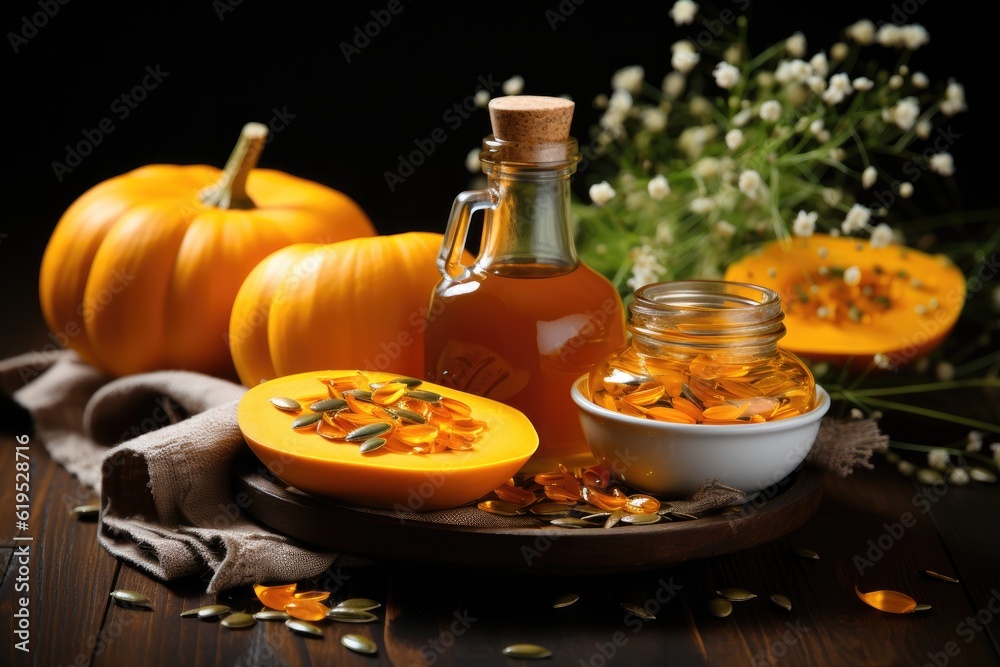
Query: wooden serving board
pixel 539 550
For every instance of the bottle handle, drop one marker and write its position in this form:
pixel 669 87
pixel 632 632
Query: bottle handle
pixel 449 259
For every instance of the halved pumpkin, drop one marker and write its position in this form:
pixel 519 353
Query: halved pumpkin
pixel 902 305
pixel 384 478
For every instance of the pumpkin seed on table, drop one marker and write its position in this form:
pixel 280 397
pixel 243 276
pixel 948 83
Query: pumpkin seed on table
pixel 271 615
pixel 720 607
pixel 527 652
pixel 285 403
pixel 351 616
pixel 638 611
pixel 86 512
pixel 239 620
pixel 134 598
pixel 192 613
pixel 358 604
pixel 359 643
pixel 802 552
pixel 304 627
pixel 922 607
pixel 736 594
pixel 212 610
pixel 614 518
pixel 781 601
pixel 565 600
pixel 940 577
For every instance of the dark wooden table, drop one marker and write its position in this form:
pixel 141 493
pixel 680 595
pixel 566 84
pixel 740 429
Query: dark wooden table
pixel 874 529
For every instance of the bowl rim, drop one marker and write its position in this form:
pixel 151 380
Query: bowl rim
pixel 585 404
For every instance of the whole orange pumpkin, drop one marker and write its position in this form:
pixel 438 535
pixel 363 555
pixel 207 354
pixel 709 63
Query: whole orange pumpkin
pixel 360 303
pixel 141 271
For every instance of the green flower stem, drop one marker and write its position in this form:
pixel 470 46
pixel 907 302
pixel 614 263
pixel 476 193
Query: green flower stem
pixel 924 412
pixel 926 387
pixel 954 451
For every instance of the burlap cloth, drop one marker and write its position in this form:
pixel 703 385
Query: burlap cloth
pixel 160 447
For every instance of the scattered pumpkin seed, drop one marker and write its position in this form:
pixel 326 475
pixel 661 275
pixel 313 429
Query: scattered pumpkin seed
pixel 922 607
pixel 736 594
pixel 613 518
pixel 86 512
pixel 131 597
pixel 304 627
pixel 802 552
pixel 239 620
pixel 640 519
pixel 982 475
pixel 565 600
pixel 664 509
pixel 421 395
pixel 271 615
pixel 360 394
pixel 285 403
pixel 212 611
pixel 500 508
pixel 307 420
pixel 328 405
pixel 527 652
pixel 683 516
pixel 411 383
pixel 571 522
pixel 368 431
pixel 550 509
pixel 358 604
pixel 596 517
pixel 371 444
pixel 781 601
pixel 638 611
pixel 359 643
pixel 720 607
pixel 351 616
pixel 943 577
pixel 732 510
pixel 407 415
pixel 929 476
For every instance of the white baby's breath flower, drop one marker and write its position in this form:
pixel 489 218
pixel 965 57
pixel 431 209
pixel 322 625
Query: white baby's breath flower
pixel 707 167
pixel 804 224
pixel 904 113
pixel 693 139
pixel 481 99
pixel 751 183
pixel 726 75
pixel 920 80
pixel 600 101
pixel 856 413
pixel 839 88
pixel 958 476
pixel 816 83
pixel 654 119
pixel 954 99
pixel 664 234
pixel 620 101
pixel 699 106
pixel 862 32
pixel 924 128
pixel 974 441
pixel 734 139
pixel 868 177
pixel 895 82
pixel 914 36
pixel 856 219
pixel 724 230
pixel 995 448
pixel 683 56
pixel 943 163
pixel 820 65
pixel 852 276
pixel 890 35
pixel 646 267
pixel 881 235
pixel 816 126
pixel 770 111
pixel 701 205
pixel 733 54
pixel 863 84
pixel 944 371
pixel 513 86
pixel 472 162
pixel 742 117
pixel 674 84
pixel 906 189
pixel 839 51
pixel 938 459
pixel 683 12
pixel 796 45
pixel 601 193
pixel 905 468
pixel 613 120
pixel 629 78
pixel 837 154
pixel 658 187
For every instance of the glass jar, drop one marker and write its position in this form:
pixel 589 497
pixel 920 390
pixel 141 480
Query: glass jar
pixel 527 318
pixel 704 352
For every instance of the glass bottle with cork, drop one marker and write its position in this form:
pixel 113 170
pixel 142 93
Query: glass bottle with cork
pixel 527 318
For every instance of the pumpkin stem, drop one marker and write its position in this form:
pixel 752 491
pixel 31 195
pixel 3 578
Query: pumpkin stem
pixel 230 190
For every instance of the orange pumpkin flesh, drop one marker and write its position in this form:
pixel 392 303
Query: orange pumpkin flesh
pixel 385 479
pixel 141 271
pixel 905 304
pixel 357 303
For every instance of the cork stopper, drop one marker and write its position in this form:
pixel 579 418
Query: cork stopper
pixel 538 125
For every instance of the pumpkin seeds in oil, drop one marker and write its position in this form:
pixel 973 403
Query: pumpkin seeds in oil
pixel 285 403
pixel 407 415
pixel 359 643
pixel 527 652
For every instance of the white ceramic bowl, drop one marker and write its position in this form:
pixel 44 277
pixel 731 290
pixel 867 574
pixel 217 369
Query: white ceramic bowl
pixel 674 459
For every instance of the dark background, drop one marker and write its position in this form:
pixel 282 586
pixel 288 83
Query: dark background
pixel 347 122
